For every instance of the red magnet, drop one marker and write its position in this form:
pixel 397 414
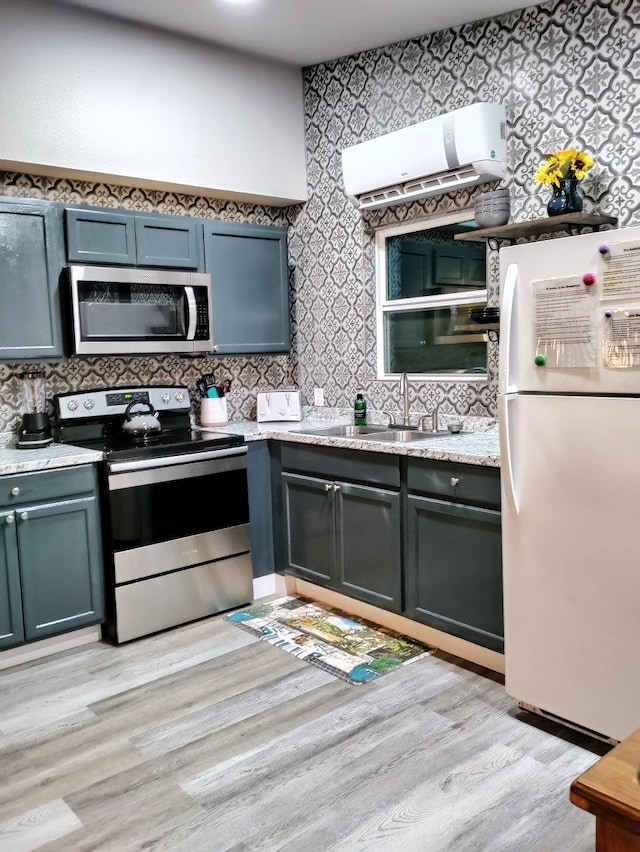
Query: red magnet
pixel 588 278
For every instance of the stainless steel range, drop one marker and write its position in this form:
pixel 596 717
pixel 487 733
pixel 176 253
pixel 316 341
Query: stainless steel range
pixel 174 503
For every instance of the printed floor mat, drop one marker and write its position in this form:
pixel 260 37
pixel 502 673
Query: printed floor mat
pixel 343 645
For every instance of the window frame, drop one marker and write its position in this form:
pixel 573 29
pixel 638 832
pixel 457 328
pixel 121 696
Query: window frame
pixel 386 306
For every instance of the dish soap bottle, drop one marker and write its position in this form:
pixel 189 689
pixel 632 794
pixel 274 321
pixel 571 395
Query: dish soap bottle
pixel 360 411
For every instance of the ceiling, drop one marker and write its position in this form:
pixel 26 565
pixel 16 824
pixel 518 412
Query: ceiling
pixel 302 32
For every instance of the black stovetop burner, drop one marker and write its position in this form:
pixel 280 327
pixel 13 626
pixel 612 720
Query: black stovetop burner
pixel 94 420
pixel 172 442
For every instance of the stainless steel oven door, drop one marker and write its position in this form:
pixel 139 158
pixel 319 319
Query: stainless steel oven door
pixel 177 511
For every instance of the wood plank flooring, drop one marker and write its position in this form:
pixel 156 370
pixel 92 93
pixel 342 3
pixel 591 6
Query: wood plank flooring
pixel 205 738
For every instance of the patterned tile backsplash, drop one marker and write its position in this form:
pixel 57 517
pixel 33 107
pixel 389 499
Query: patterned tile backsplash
pixel 566 71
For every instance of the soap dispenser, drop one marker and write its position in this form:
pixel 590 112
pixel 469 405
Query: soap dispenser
pixel 360 411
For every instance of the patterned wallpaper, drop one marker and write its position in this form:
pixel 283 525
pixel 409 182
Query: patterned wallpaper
pixel 247 374
pixel 566 71
pixel 567 74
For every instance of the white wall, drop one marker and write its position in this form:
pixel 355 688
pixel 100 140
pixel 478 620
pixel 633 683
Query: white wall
pixel 86 96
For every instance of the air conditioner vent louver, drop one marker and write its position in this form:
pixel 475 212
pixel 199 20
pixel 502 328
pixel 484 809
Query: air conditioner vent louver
pixel 449 152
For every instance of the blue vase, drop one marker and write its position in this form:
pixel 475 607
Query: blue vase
pixel 565 198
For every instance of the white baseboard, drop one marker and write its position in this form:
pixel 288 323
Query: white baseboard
pixel 271 584
pixel 46 647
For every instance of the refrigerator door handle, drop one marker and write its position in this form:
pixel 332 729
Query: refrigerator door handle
pixel 506 331
pixel 509 485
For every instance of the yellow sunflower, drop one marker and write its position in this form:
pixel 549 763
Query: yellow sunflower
pixel 567 163
pixel 550 171
pixel 581 163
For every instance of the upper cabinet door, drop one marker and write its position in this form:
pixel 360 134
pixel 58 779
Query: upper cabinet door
pixel 169 242
pixel 101 236
pixel 30 265
pixel 249 287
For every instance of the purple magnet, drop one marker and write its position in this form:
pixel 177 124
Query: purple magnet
pixel 603 249
pixel 588 278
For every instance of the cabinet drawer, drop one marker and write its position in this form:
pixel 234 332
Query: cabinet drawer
pixel 38 486
pixel 458 482
pixel 370 468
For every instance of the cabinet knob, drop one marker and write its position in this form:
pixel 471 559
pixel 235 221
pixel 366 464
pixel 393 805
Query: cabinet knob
pixel 15 490
pixel 336 487
pixel 10 519
pixel 327 486
pixel 455 480
pixel 24 516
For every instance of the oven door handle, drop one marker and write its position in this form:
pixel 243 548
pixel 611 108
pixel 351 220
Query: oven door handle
pixel 176 460
pixel 192 312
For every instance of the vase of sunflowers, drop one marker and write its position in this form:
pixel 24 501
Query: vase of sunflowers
pixel 562 171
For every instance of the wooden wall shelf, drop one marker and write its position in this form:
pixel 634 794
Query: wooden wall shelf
pixel 536 227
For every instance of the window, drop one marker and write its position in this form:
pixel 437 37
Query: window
pixel 427 283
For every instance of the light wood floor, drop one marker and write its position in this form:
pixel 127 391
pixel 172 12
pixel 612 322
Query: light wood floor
pixel 205 738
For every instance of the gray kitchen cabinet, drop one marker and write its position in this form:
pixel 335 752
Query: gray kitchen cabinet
pixel 30 266
pixel 453 550
pixel 262 495
pixel 169 241
pixel 52 552
pixel 125 238
pixel 249 287
pixel 11 627
pixel 343 528
pixel 100 236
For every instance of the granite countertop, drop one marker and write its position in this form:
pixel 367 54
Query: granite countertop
pixel 478 446
pixel 475 447
pixel 14 461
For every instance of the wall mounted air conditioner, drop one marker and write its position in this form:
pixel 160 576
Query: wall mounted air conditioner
pixel 462 148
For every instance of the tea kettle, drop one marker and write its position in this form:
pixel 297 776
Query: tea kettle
pixel 140 424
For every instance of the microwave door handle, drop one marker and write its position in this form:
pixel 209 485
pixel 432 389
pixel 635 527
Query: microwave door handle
pixel 190 296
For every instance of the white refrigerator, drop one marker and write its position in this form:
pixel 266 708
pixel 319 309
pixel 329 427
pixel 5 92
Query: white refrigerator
pixel 569 418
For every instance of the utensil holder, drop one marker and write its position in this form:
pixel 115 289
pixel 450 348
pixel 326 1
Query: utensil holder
pixel 213 411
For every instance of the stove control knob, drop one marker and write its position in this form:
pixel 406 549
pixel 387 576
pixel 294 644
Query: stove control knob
pixel 72 404
pixel 166 397
pixel 179 396
pixel 89 403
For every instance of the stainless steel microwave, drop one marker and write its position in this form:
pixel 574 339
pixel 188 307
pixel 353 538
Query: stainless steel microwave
pixel 123 311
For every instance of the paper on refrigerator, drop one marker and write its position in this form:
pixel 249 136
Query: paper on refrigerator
pixel 565 322
pixel 621 271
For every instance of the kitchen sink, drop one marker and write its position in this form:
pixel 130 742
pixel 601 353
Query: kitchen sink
pixel 345 431
pixel 376 433
pixel 405 435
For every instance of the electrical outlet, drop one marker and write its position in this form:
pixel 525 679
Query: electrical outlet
pixel 318 396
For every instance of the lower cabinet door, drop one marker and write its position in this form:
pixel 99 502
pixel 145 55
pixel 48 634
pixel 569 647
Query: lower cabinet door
pixel 454 570
pixel 11 629
pixel 60 566
pixel 309 528
pixel 368 545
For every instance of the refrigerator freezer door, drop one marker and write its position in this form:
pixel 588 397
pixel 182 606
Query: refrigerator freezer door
pixel 570 256
pixel 571 555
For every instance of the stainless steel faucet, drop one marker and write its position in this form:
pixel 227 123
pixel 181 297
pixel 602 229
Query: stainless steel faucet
pixel 434 420
pixel 404 390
